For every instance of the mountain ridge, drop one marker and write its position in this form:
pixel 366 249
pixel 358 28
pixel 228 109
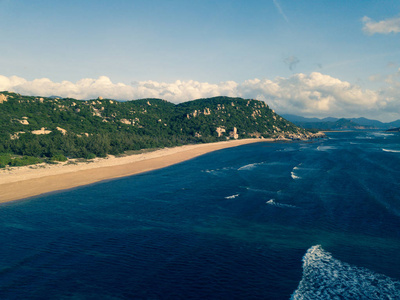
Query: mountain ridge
pixel 50 127
pixel 331 123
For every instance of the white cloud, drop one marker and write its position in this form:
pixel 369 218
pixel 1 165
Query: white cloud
pixel 384 26
pixel 315 94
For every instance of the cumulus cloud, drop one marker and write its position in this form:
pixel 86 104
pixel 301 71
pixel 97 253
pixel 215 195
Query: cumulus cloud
pixel 315 94
pixel 385 26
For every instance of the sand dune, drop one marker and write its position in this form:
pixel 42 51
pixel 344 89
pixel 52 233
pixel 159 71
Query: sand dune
pixel 24 182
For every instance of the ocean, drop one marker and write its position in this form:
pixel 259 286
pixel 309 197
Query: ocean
pixel 301 220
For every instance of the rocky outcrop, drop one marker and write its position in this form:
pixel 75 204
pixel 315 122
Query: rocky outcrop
pixel 15 136
pixel 125 121
pixel 220 130
pixel 233 134
pixel 41 131
pixel 3 98
pixel 24 121
pixel 63 131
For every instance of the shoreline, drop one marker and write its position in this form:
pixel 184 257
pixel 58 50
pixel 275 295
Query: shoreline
pixel 24 182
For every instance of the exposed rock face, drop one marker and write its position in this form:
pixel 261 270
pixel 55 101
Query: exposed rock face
pixel 220 130
pixel 15 136
pixel 24 121
pixel 125 121
pixel 96 112
pixel 3 98
pixel 234 134
pixel 63 131
pixel 41 131
pixel 302 136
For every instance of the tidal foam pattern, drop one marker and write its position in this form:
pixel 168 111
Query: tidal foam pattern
pixel 325 277
pixel 276 204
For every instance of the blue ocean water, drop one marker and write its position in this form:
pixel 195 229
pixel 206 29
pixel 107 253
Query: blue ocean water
pixel 301 220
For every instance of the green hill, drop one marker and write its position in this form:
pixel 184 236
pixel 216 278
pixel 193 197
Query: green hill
pixel 55 128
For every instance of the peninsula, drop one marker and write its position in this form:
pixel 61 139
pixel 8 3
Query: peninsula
pixel 44 140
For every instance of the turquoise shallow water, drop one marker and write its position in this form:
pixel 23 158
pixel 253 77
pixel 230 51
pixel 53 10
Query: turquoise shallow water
pixel 240 223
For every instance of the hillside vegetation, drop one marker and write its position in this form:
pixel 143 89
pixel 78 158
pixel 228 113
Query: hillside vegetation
pixel 55 128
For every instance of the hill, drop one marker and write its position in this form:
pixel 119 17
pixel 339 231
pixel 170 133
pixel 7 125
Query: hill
pixel 56 128
pixel 339 124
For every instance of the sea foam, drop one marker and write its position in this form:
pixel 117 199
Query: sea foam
pixel 325 148
pixel 276 204
pixel 325 277
pixel 232 196
pixel 249 166
pixel 390 150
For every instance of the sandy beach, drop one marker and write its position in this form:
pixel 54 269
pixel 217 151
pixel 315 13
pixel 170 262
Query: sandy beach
pixel 23 182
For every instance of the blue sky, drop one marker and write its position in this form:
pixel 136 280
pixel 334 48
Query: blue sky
pixel 313 58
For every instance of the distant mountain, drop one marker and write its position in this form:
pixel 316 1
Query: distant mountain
pixel 376 124
pixel 339 124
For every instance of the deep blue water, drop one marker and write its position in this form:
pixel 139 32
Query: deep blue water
pixel 307 220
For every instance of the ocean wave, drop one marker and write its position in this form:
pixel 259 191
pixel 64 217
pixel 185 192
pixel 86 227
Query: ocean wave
pixel 232 196
pixel 390 150
pixel 217 172
pixel 325 277
pixel 364 137
pixel 289 149
pixel 249 167
pixel 276 204
pixel 325 148
pixel 294 176
pixel 382 134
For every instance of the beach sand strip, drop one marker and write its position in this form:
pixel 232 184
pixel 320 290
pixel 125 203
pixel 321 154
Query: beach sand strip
pixel 29 181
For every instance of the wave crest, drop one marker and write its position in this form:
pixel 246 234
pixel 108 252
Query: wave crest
pixel 390 150
pixel 276 204
pixel 325 277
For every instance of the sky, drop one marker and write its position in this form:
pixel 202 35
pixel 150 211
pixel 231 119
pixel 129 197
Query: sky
pixel 313 58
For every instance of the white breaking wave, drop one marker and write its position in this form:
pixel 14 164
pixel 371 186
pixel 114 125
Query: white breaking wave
pixel 232 196
pixel 276 204
pixel 382 134
pixel 294 176
pixel 389 150
pixel 325 277
pixel 325 148
pixel 249 166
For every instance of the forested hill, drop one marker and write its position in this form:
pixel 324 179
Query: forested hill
pixel 53 127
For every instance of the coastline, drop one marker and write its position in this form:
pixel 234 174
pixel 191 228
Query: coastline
pixel 24 182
